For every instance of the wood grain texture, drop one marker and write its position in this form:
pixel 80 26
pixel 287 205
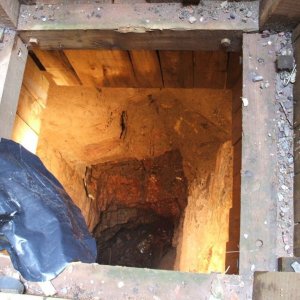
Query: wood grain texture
pixel 297 200
pixel 13 55
pixel 210 69
pixel 279 13
pixel 29 110
pixel 258 196
pixel 127 26
pixel 234 69
pixel 9 13
pixel 103 68
pixel 56 63
pixel 276 286
pixel 35 82
pixel 297 240
pixel 177 68
pixel 146 68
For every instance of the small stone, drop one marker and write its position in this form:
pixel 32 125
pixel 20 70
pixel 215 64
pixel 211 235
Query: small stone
pixel 192 19
pixel 201 19
pixel 245 101
pixel 285 62
pixel 296 266
pixel 257 78
pixel 249 14
pixel 265 34
pixel 224 4
pixel 232 16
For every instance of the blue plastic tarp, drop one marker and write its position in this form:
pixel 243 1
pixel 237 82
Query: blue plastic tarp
pixel 40 226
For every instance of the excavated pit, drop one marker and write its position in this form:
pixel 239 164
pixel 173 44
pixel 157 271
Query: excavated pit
pixel 154 168
pixel 139 214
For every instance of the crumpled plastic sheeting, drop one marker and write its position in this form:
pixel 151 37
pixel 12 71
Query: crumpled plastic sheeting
pixel 40 226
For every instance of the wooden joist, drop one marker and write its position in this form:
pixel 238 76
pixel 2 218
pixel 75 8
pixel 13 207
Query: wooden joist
pixel 135 26
pixel 279 14
pixel 9 13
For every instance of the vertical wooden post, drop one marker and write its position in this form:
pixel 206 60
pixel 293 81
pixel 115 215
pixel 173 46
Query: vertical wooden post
pixel 13 56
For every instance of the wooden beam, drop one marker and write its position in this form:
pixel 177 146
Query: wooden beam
pixel 165 26
pixel 13 55
pixel 258 190
pixel 276 286
pixel 9 13
pixel 279 14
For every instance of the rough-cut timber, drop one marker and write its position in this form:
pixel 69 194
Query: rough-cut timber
pixel 279 14
pixel 258 195
pixel 136 26
pixel 92 281
pixel 9 13
pixel 276 286
pixel 13 55
pixel 296 38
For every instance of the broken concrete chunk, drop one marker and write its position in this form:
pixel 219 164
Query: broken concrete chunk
pixel 285 62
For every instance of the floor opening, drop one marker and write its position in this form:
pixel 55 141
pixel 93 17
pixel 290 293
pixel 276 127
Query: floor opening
pixel 148 146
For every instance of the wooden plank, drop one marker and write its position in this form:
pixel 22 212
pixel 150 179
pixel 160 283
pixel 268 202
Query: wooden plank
pixel 9 13
pixel 297 198
pixel 296 33
pixel 297 240
pixel 234 69
pixel 102 68
pixel 237 159
pixel 13 55
pixel 29 110
pixel 237 95
pixel 210 69
pixel 57 64
pixel 137 26
pixel 35 82
pixel 279 13
pixel 296 89
pixel 146 68
pixel 24 135
pixel 285 263
pixel 236 126
pixel 259 194
pixel 276 285
pixel 177 68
